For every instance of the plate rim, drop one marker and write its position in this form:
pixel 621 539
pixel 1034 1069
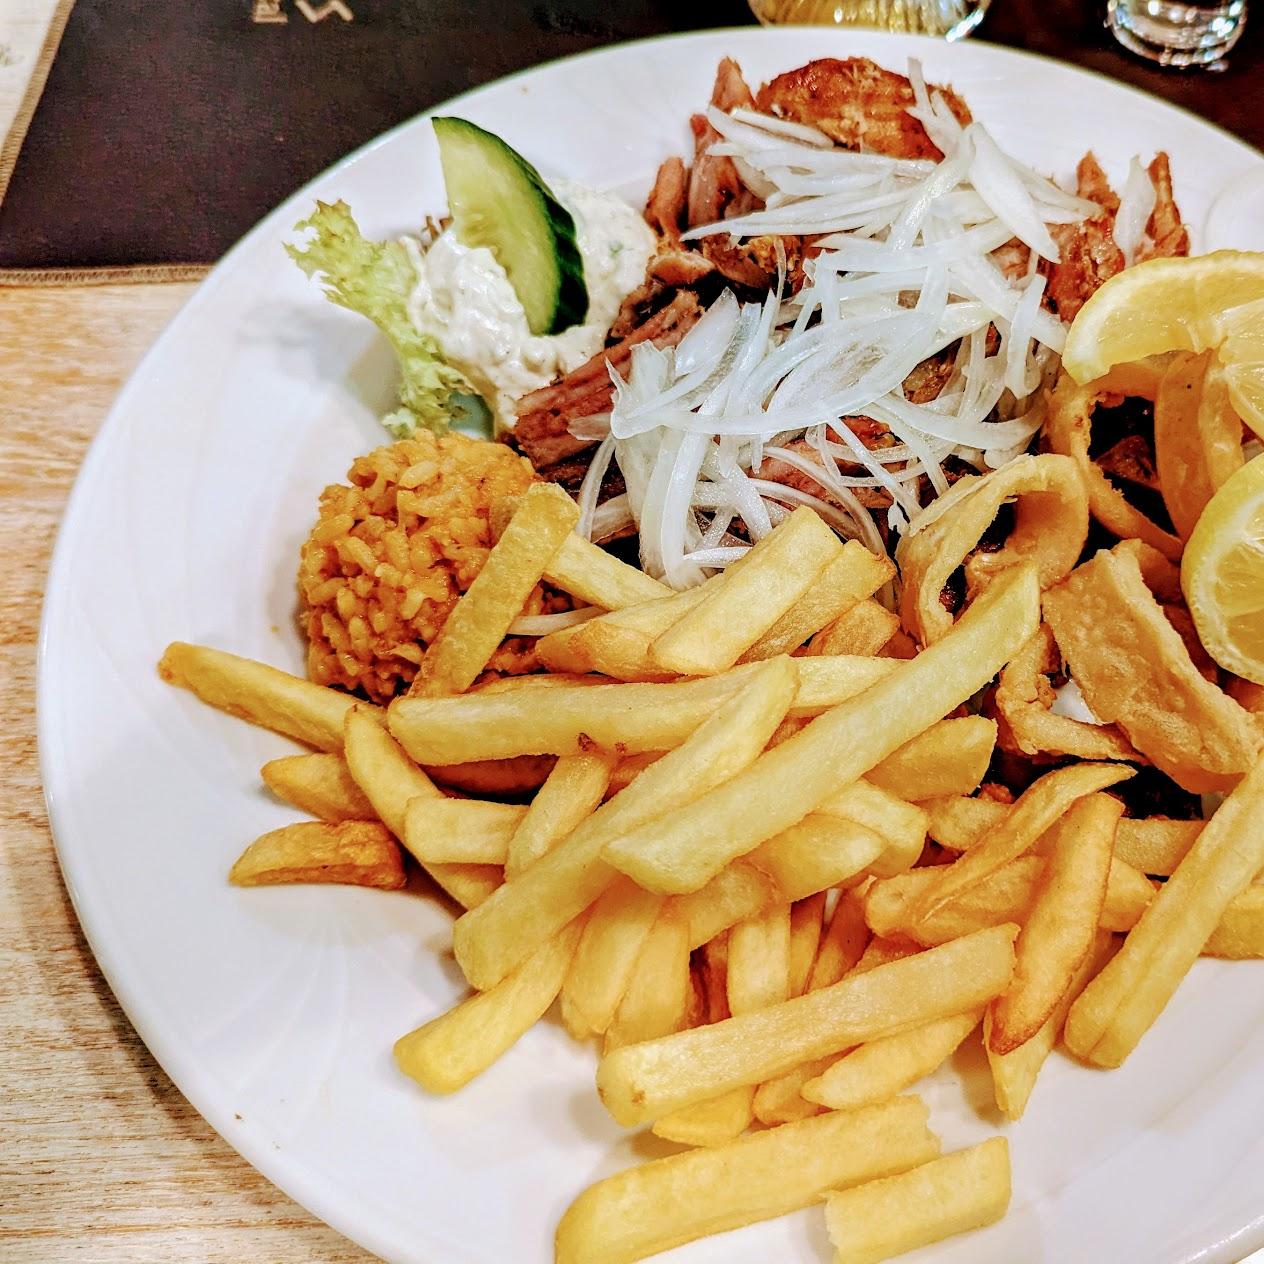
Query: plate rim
pixel 300 1181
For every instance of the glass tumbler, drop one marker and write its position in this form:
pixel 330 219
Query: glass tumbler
pixel 951 19
pixel 1177 34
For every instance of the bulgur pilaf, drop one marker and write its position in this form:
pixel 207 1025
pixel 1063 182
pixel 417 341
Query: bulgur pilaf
pixel 392 552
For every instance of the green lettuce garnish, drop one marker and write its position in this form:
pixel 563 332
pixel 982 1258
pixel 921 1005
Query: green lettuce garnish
pixel 375 279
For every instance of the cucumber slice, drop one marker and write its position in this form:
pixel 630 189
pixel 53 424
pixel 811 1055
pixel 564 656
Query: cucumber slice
pixel 498 200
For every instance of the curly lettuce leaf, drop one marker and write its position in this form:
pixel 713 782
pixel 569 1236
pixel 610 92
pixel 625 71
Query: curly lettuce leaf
pixel 375 278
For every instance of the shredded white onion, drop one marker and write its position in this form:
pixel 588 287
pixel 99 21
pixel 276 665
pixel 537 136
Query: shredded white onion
pixel 543 624
pixel 912 258
pixel 1136 205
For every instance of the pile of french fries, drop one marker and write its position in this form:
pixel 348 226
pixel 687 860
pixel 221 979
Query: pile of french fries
pixel 758 869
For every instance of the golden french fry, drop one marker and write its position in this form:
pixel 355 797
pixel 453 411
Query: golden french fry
pixel 880 1069
pixel 264 695
pixel 950 757
pixel 806 924
pixel 759 961
pixel 480 619
pixel 524 913
pixel 1024 698
pixel 598 578
pixel 819 852
pixel 744 603
pixel 881 950
pixel 389 780
pixel 613 936
pixel 1134 670
pixel 854 575
pixel 356 853
pixel 1039 806
pixel 319 785
pixel 642 1082
pixel 488 778
pixel 1119 1006
pixel 825 680
pixel 1062 924
pixel 902 825
pixel 1014 1073
pixel 1068 430
pixel 1197 436
pixel 1240 933
pixel 733 895
pixel 1151 845
pixel 864 629
pixel 680 852
pixel 671 1201
pixel 449 1051
pixel 712 1123
pixel 965 1190
pixel 656 1002
pixel 1050 526
pixel 460 831
pixel 573 791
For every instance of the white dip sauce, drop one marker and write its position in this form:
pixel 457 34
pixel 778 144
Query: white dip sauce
pixel 464 299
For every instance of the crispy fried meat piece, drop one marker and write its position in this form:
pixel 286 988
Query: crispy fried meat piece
pixel 858 104
pixel 1166 236
pixel 1090 256
pixel 543 415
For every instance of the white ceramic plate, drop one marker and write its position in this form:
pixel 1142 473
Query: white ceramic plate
pixel 275 1010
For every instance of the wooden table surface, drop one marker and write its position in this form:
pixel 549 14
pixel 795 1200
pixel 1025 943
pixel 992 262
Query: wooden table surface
pixel 101 1159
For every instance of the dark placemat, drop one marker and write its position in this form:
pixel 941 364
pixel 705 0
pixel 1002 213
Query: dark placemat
pixel 165 132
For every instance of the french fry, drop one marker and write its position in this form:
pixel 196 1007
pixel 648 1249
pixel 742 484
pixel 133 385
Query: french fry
pixel 733 895
pixel 642 1082
pixel 524 913
pixel 618 644
pixel 712 1123
pixel 881 950
pixel 598 578
pixel 573 791
pixel 779 1100
pixel 1062 924
pixel 1039 806
pixel 449 1051
pixel 319 785
pixel 950 757
pixel 389 781
pixel 1240 933
pixel 818 852
pixel 656 1002
pixel 715 977
pixel 355 853
pixel 571 719
pixel 668 1202
pixel 1014 1073
pixel 965 1190
pixel 880 1069
pixel 613 936
pixel 480 620
pixel 1118 1007
pixel 743 604
pixel 460 831
pixel 864 629
pixel 264 695
pixel 1151 845
pixel 902 825
pixel 680 852
pixel 806 924
pixel 842 586
pixel 759 961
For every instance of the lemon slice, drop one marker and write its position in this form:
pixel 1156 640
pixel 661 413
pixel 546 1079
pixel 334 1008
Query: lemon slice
pixel 1176 305
pixel 1222 573
pixel 1242 354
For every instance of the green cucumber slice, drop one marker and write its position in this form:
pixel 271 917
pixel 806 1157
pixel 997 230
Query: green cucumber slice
pixel 498 200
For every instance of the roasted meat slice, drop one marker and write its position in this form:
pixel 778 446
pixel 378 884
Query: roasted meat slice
pixel 858 104
pixel 543 416
pixel 1090 256
pixel 1166 236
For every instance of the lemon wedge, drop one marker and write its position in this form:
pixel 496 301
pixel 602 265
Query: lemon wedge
pixel 1222 573
pixel 1195 304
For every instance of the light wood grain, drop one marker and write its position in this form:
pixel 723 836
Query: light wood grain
pixel 102 1161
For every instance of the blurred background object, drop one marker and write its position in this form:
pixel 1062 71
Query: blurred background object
pixel 1177 34
pixel 952 19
